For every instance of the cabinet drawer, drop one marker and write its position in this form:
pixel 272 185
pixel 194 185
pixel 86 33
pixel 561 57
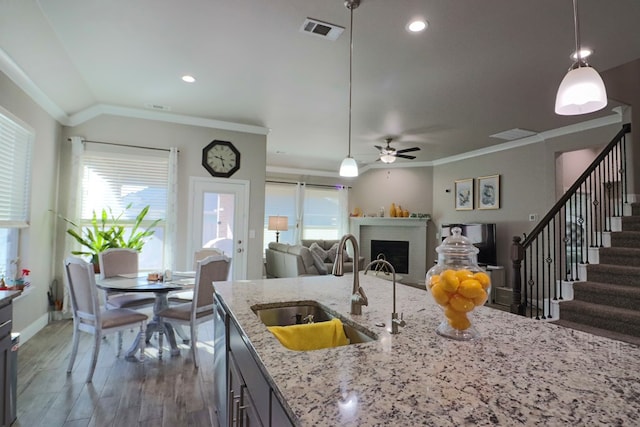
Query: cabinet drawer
pixel 254 378
pixel 6 315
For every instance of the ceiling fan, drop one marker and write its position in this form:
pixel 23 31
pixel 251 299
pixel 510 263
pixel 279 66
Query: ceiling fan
pixel 389 154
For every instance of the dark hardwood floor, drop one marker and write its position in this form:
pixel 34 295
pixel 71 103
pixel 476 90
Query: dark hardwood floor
pixel 167 392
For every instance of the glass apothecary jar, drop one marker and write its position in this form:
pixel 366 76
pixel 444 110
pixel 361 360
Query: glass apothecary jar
pixel 458 285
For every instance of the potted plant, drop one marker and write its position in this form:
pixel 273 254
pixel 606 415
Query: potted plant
pixel 108 232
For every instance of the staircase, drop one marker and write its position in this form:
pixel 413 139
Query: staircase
pixel 608 302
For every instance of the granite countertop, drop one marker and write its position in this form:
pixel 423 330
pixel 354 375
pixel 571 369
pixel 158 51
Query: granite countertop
pixel 6 296
pixel 521 372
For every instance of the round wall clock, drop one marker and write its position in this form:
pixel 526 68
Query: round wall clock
pixel 221 158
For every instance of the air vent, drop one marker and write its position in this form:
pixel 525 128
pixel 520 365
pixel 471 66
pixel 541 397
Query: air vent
pixel 321 29
pixel 158 107
pixel 513 134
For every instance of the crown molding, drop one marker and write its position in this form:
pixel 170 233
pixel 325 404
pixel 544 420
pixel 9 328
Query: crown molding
pixel 24 82
pixel 139 113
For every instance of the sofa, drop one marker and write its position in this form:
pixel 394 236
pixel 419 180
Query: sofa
pixel 312 257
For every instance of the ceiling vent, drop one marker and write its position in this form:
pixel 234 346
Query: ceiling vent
pixel 513 134
pixel 321 29
pixel 158 107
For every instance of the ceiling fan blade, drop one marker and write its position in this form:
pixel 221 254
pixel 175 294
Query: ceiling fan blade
pixel 405 156
pixel 408 150
pixel 378 147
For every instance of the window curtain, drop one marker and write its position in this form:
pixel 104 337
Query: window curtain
pixel 73 205
pixel 343 205
pixel 297 238
pixel 172 210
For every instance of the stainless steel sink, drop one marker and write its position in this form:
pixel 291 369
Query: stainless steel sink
pixel 298 312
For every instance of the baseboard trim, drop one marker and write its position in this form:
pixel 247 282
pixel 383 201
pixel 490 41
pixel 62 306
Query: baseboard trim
pixel 33 328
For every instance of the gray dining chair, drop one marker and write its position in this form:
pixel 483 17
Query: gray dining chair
pixel 182 297
pixel 118 261
pixel 200 309
pixel 88 317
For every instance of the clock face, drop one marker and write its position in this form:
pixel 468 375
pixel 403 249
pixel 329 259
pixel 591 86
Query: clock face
pixel 221 158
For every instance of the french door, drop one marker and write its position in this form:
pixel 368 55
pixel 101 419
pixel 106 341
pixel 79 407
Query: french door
pixel 219 219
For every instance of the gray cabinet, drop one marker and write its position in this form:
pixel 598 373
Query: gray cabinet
pixel 242 393
pixel 220 368
pixel 6 413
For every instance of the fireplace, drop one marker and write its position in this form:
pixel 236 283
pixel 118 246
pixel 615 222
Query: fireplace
pixel 411 231
pixel 394 251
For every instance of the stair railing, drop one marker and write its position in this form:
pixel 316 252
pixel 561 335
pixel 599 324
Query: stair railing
pixel 559 243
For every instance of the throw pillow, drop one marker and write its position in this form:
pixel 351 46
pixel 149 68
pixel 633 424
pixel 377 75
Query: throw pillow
pixel 316 249
pixel 332 252
pixel 319 263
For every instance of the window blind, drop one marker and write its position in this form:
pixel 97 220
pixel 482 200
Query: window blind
pixel 15 173
pixel 113 181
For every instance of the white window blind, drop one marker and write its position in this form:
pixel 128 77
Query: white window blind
pixel 321 213
pixel 15 172
pixel 114 181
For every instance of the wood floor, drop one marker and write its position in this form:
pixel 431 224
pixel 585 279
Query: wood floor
pixel 167 392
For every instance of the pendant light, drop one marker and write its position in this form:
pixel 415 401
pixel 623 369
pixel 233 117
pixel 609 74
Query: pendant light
pixel 582 90
pixel 349 167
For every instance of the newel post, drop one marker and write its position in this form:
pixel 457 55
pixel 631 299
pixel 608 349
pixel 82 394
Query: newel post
pixel 517 255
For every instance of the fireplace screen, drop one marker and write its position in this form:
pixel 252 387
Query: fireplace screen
pixel 396 252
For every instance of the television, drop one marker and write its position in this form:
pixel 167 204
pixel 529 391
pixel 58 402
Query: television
pixel 482 236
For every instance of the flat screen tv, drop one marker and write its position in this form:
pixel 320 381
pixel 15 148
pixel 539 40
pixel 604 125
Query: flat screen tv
pixel 482 236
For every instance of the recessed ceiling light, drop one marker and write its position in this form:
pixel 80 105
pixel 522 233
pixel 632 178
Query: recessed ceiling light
pixel 417 25
pixel 584 53
pixel 189 79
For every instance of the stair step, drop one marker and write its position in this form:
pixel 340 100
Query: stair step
pixel 614 319
pixel 608 294
pixel 630 223
pixel 625 239
pixel 599 332
pixel 616 274
pixel 619 256
pixel 635 208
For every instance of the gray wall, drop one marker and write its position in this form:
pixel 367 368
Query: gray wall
pixel 36 241
pixel 528 184
pixel 411 188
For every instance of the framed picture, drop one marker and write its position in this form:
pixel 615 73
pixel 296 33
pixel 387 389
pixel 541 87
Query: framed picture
pixel 489 192
pixel 464 194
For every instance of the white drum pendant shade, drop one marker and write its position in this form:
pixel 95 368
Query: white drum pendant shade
pixel 582 91
pixel 349 167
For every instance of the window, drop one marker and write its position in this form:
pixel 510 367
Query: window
pixel 323 211
pixel 15 185
pixel 114 181
pixel 280 200
pixel 321 214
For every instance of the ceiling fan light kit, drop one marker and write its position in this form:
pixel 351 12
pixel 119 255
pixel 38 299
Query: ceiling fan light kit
pixel 387 158
pixel 349 167
pixel 582 90
pixel 389 154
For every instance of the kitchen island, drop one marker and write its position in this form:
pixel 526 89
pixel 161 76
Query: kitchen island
pixel 521 372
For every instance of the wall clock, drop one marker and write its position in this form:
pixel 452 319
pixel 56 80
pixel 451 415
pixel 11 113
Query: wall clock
pixel 221 158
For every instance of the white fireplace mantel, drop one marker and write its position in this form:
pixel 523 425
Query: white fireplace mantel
pixel 413 230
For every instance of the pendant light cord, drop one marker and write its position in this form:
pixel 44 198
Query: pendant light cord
pixel 351 6
pixel 576 24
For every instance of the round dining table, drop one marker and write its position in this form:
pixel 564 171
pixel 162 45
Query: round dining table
pixel 140 283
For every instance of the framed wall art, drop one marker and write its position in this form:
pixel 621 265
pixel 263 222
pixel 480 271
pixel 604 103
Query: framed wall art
pixel 489 192
pixel 464 194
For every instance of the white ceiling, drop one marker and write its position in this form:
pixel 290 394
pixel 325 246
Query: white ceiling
pixel 480 68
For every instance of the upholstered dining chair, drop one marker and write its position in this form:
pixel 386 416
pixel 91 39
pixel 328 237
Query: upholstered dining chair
pixel 181 297
pixel 202 253
pixel 88 317
pixel 201 308
pixel 117 261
